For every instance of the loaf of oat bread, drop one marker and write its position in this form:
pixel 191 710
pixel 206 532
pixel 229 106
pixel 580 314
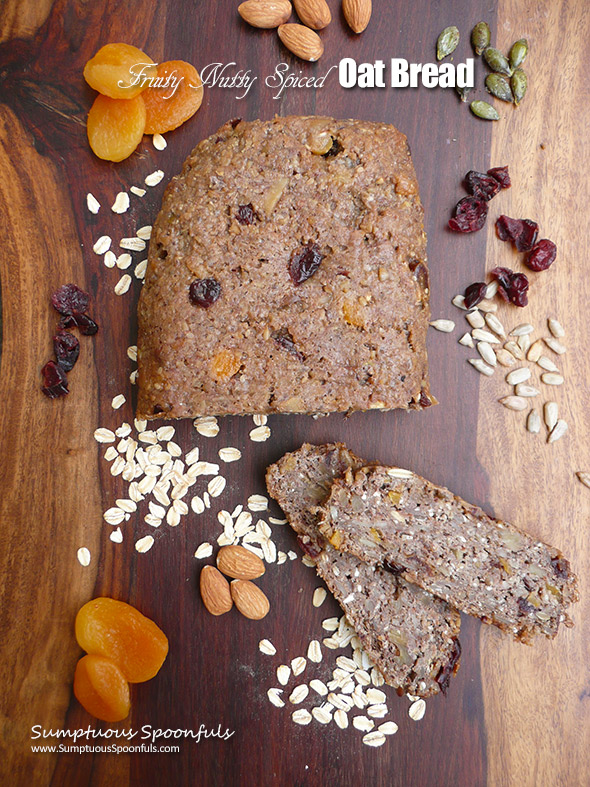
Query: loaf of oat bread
pixel 411 636
pixel 287 273
pixel 424 533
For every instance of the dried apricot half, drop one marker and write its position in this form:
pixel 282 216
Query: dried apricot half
pixel 100 687
pixel 120 632
pixel 118 71
pixel 173 97
pixel 115 126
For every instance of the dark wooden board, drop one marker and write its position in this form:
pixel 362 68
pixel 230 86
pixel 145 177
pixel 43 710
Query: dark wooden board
pixel 512 716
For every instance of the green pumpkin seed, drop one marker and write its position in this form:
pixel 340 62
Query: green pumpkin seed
pixel 484 110
pixel 518 53
pixel 447 42
pixel 463 92
pixel 518 83
pixel 480 37
pixel 499 87
pixel 497 61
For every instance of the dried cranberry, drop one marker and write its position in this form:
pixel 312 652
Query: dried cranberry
pixel 513 287
pixel 304 263
pixel 234 122
pixel 450 668
pixel 542 255
pixel 560 567
pixel 501 175
pixel 204 292
pixel 475 294
pixel 425 400
pixel 481 185
pixel 522 232
pixel 246 214
pixel 311 548
pixel 470 215
pixel 284 339
pixel 67 350
pixel 55 381
pixel 69 299
pixel 83 322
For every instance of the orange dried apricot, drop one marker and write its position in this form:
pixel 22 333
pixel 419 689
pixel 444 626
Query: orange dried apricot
pixel 115 126
pixel 100 687
pixel 225 364
pixel 120 632
pixel 168 102
pixel 118 71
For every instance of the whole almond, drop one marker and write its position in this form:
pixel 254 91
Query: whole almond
pixel 249 599
pixel 265 13
pixel 313 13
pixel 302 41
pixel 215 591
pixel 357 13
pixel 239 563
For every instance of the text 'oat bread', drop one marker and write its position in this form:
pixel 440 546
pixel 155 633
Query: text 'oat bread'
pixel 480 565
pixel 287 274
pixel 411 636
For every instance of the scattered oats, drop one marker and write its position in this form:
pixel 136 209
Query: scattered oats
pixel 555 328
pixel 558 431
pixel 283 674
pixel 154 178
pixel 206 550
pixel 522 330
pixel 376 677
pixel 533 422
pixel 132 244
pixel 376 696
pixel 487 353
pixel 180 507
pixel 492 289
pixel 346 664
pixel 319 596
pixel 481 366
pixel 445 326
pixel 417 710
pixel 255 550
pixel 584 478
pixel 292 555
pixel 123 261
pixel 331 643
pixel 193 456
pixel 276 521
pixel 301 716
pixel 412 697
pixel 207 426
pixel 299 693
pixel 230 454
pixel 298 665
pixel 104 435
pixel 265 646
pixel 487 306
pixel 206 500
pixel 466 340
pixel 459 301
pixel 224 540
pixel 314 651
pixel 132 352
pixel 363 723
pixel 259 420
pixel 274 697
pixel 504 357
pixel 362 677
pixel 126 505
pixel 515 350
pixel 159 142
pixel 118 401
pixel 269 550
pixel 341 719
pixel 495 325
pixel 173 517
pixel 475 319
pixel 224 518
pixel 216 486
pixel 318 686
pixel 330 624
pixel 524 342
pixel 480 335
pixel 152 520
pixel 237 511
pixel 144 544
pixel 140 269
pixel 148 436
pixel 377 711
pixel 519 375
pixel 551 378
pixel 133 377
pixel 102 245
pixel 554 345
pixel 117 536
pixel 243 524
pixel 110 453
pixel 281 558
pixel 525 390
pixel 546 364
pixel 110 259
pixel 375 738
pixel 145 232
pixel 92 203
pixel 146 484
pixel 322 715
pixel 123 284
pixel 260 434
pixel 121 203
pixel 137 191
pixel 83 555
pixel 258 503
pixel 399 472
pixel 340 701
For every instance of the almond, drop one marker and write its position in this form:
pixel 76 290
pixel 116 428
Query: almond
pixel 302 41
pixel 265 13
pixel 239 563
pixel 215 591
pixel 249 599
pixel 313 13
pixel 357 13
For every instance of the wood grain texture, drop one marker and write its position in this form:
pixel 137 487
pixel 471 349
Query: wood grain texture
pixel 55 483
